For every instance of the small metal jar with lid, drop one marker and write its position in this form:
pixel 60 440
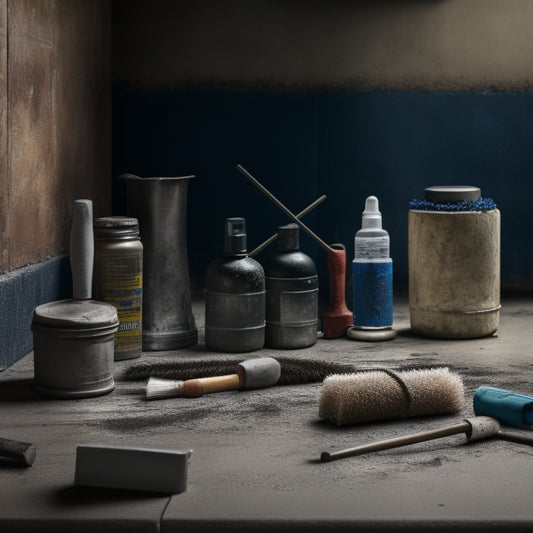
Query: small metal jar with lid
pixel 118 262
pixel 73 339
pixel 73 348
pixel 454 263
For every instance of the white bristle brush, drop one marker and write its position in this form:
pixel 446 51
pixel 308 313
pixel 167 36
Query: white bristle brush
pixel 385 395
pixel 158 388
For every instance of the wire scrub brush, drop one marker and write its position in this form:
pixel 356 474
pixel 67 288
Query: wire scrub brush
pixel 293 371
pixel 383 394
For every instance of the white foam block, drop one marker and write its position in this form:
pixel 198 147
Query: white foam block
pixel 132 468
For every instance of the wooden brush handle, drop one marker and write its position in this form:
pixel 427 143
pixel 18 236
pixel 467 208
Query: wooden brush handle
pixel 464 427
pixel 193 388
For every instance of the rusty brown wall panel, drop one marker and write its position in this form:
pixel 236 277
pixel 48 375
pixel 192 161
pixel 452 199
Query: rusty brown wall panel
pixel 59 120
pixel 32 130
pixel 4 177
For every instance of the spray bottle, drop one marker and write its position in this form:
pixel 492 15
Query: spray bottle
pixel 291 294
pixel 235 296
pixel 372 279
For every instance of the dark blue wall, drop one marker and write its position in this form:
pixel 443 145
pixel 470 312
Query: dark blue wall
pixel 21 291
pixel 347 146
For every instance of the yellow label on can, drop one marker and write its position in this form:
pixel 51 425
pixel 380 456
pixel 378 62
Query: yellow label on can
pixel 123 289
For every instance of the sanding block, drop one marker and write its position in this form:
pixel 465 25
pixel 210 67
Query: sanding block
pixel 132 468
pixel 507 407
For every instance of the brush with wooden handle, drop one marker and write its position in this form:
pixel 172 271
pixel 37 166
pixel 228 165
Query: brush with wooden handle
pixel 476 428
pixel 251 374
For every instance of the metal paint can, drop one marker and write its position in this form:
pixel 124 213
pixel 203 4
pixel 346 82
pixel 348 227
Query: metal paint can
pixel 454 263
pixel 291 294
pixel 118 262
pixel 73 348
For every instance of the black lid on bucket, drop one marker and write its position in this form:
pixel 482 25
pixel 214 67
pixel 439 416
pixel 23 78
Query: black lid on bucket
pixel 451 193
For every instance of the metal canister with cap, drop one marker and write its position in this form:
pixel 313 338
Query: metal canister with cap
pixel 291 293
pixel 235 296
pixel 73 339
pixel 454 263
pixel 73 348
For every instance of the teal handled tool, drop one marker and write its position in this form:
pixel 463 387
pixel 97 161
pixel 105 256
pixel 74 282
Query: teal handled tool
pixel 507 407
pixel 475 428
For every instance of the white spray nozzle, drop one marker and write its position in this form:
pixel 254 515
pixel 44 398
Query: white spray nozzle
pixel 371 214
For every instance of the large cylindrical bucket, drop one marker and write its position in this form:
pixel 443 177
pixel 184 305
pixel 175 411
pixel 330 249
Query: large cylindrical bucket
pixel 454 273
pixel 160 205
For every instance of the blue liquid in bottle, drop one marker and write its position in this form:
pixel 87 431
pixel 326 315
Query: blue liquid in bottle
pixel 372 272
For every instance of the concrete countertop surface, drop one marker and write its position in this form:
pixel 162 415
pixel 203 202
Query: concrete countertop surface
pixel 255 454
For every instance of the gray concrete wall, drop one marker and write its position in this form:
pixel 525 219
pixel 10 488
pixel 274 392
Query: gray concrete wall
pixel 54 122
pixel 338 44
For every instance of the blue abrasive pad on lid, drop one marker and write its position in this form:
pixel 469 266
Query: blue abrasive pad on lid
pixel 507 407
pixel 481 204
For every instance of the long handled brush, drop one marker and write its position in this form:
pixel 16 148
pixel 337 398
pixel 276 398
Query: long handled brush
pixel 476 428
pixel 293 371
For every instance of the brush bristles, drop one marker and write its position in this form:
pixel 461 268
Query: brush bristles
pixel 157 389
pixel 375 395
pixel 293 371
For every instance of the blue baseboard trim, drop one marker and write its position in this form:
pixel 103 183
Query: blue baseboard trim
pixel 20 292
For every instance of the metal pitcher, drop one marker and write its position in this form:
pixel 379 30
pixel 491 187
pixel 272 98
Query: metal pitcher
pixel 160 205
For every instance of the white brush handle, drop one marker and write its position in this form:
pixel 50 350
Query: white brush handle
pixel 82 249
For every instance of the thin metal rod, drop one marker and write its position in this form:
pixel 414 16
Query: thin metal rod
pixel 515 437
pixel 405 440
pixel 289 213
pixel 301 214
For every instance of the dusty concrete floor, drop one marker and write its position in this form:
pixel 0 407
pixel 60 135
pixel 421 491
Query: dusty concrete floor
pixel 255 454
